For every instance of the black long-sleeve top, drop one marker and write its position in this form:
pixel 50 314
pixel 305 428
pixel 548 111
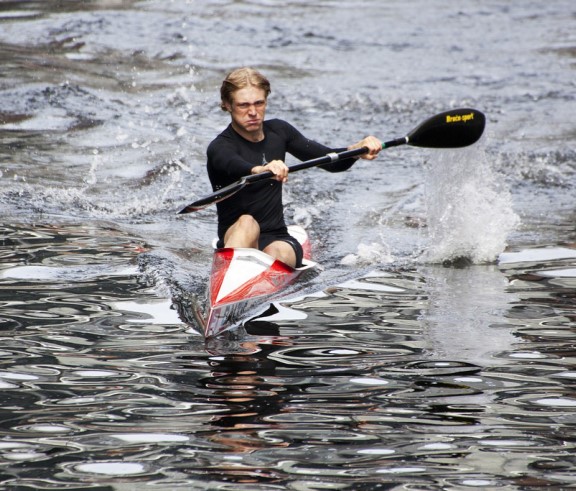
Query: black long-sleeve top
pixel 231 157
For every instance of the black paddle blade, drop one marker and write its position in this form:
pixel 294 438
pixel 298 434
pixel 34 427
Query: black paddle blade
pixel 215 197
pixel 450 129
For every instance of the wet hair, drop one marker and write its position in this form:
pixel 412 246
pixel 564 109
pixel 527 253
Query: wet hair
pixel 239 79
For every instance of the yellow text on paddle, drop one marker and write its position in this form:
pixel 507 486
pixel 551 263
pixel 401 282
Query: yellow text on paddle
pixel 459 117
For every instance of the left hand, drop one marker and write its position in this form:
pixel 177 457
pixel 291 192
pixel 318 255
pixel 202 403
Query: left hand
pixel 373 144
pixel 277 167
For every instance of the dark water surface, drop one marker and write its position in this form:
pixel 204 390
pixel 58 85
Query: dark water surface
pixel 435 350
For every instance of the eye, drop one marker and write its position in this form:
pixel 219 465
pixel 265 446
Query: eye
pixel 243 106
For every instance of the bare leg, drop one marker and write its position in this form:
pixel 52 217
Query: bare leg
pixel 283 251
pixel 244 233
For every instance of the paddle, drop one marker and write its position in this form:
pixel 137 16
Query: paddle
pixel 450 129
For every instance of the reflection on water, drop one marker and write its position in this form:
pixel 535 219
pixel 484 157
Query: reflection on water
pixel 401 376
pixel 431 377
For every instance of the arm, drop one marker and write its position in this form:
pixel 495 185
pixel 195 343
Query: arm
pixel 304 149
pixel 225 164
pixel 370 142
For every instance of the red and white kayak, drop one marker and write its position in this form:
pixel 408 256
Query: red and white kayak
pixel 242 280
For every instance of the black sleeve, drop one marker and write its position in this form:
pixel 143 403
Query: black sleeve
pixel 225 164
pixel 305 149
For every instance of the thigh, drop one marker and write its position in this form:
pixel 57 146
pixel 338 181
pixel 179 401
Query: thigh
pixel 282 244
pixel 282 251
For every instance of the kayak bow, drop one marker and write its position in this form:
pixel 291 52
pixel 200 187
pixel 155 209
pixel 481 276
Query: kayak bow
pixel 243 279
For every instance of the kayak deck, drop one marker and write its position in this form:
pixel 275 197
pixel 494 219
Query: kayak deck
pixel 243 279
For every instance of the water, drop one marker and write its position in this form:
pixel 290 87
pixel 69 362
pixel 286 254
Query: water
pixel 435 348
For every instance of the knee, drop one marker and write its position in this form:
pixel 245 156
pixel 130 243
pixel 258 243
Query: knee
pixel 244 233
pixel 248 223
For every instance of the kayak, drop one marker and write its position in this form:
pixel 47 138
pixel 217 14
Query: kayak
pixel 244 279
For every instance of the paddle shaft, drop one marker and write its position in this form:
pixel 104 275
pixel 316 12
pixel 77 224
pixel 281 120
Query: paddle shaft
pixel 252 178
pixel 325 159
pixel 450 129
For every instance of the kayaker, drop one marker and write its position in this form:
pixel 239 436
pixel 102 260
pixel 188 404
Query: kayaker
pixel 254 217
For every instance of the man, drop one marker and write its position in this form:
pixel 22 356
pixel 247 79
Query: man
pixel 254 217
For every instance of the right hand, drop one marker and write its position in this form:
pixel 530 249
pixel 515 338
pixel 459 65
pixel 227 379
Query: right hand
pixel 277 167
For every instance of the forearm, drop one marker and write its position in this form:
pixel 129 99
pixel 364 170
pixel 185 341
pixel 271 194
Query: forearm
pixel 340 165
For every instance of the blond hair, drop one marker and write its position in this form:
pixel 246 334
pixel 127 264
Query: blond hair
pixel 239 79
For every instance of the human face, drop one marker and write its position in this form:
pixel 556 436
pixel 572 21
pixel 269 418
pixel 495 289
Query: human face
pixel 248 109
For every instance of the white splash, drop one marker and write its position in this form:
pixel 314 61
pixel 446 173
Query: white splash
pixel 468 206
pixel 374 253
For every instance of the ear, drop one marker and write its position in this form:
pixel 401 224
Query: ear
pixel 227 107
